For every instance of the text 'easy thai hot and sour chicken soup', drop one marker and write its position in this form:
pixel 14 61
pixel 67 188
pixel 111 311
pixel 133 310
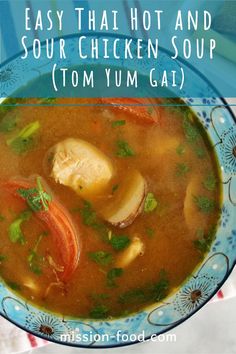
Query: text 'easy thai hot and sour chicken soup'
pixel 106 205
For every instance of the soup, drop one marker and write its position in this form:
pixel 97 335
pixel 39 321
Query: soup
pixel 104 209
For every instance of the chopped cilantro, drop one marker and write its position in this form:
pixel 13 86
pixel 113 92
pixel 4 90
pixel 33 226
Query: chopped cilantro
pixel 114 188
pixel 118 123
pixel 119 242
pixel 43 196
pixel 204 204
pixel 23 140
pixel 15 232
pixel 150 203
pixel 180 149
pixel 36 198
pixel 99 312
pixel 89 218
pixel 200 152
pixel 150 110
pixel 112 274
pixel 132 296
pixel 88 214
pixel 210 182
pixel 13 285
pixel 2 218
pixel 203 243
pixel 101 257
pixel 123 149
pixel 34 266
pixel 190 131
pixel 182 169
pixel 8 124
pixel 33 258
pixel 150 292
pixel 150 231
pixel 2 258
pixel 159 289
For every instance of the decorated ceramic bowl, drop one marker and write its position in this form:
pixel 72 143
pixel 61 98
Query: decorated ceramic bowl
pixel 219 122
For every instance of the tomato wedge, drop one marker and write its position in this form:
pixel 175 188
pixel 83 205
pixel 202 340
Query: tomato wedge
pixel 141 110
pixel 58 221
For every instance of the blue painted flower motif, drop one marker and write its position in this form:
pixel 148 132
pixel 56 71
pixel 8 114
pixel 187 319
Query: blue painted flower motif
pixel 232 240
pixel 224 216
pixel 228 149
pixel 46 325
pixel 190 100
pixel 195 293
pixel 205 119
pixel 209 101
pixel 216 246
pixel 8 76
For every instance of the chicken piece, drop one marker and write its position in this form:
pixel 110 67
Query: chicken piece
pixel 135 249
pixel 81 166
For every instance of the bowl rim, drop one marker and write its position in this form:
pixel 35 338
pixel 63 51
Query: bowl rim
pixel 178 322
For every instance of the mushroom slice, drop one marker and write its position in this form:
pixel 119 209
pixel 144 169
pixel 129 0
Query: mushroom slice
pixel 135 249
pixel 128 202
pixel 81 166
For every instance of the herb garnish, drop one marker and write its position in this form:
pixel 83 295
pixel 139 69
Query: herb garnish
pixel 119 242
pixel 2 218
pixel 114 188
pixel 190 131
pixel 123 149
pixel 23 141
pixel 150 110
pixel 89 218
pixel 200 152
pixel 210 182
pixel 101 257
pixel 204 204
pixel 99 312
pixel 180 150
pixel 33 258
pixel 203 243
pixel 112 274
pixel 13 285
pixel 8 124
pixel 118 123
pixel 182 169
pixel 2 258
pixel 37 198
pixel 149 292
pixel 150 232
pixel 150 203
pixel 14 231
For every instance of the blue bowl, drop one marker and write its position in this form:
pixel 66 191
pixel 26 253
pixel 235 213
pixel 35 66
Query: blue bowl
pixel 200 286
